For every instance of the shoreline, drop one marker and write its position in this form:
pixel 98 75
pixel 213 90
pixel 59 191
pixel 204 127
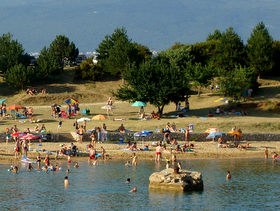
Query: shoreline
pixel 202 150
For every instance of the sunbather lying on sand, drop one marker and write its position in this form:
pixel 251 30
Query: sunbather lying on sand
pixel 243 146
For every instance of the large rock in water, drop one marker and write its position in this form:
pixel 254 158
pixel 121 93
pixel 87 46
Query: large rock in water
pixel 184 181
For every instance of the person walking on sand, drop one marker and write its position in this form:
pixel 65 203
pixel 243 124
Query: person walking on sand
pixel 81 132
pixel 109 106
pixel 266 153
pixel 228 175
pixel 158 152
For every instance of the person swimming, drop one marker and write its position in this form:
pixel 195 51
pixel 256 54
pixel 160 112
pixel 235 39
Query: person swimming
pixel 134 189
pixel 13 169
pixel 127 164
pixel 76 165
pixel 127 180
pixel 67 171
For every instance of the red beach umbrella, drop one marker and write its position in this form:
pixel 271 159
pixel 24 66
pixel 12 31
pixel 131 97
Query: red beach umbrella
pixel 15 107
pixel 15 134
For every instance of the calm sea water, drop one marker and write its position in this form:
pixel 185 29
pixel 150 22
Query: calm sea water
pixel 255 185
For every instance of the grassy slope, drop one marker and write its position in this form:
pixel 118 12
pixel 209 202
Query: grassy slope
pixel 259 120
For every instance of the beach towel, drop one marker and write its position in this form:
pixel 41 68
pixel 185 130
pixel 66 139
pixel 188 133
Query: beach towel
pixel 119 119
pixel 203 118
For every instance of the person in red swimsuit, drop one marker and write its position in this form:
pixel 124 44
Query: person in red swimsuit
pixel 47 160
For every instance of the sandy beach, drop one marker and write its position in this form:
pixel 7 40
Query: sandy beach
pixel 202 150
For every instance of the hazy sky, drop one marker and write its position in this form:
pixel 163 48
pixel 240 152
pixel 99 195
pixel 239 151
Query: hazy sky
pixel 155 23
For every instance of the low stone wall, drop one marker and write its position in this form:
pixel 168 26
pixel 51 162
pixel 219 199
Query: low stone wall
pixel 193 137
pixel 113 136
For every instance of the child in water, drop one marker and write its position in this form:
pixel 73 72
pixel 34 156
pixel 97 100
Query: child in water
pixel 274 156
pixel 76 165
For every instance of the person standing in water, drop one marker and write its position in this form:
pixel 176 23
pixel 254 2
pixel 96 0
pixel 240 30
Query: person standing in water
pixel 228 175
pixel 38 161
pixel 66 182
pixel 158 152
pixel 103 152
pixel 17 147
pixel 266 153
pixel 47 160
pixel 134 159
pixel 29 167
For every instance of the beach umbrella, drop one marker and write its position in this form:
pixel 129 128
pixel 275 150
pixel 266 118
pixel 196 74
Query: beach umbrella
pixel 15 107
pixel 214 135
pixel 99 117
pixel 2 101
pixel 71 101
pixel 84 119
pixel 29 137
pixel 220 100
pixel 139 104
pixel 15 134
pixel 211 130
pixel 233 133
pixel 18 134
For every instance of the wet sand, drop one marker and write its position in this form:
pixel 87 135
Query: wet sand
pixel 202 150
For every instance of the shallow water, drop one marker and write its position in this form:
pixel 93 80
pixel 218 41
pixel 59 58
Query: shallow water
pixel 254 185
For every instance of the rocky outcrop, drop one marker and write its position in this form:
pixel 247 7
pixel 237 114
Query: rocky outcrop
pixel 184 181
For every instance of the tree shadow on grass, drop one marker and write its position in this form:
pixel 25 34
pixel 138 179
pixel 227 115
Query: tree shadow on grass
pixel 5 90
pixel 250 107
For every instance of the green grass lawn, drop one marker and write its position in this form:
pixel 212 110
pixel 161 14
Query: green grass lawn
pixel 94 95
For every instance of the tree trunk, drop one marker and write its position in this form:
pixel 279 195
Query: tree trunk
pixel 160 110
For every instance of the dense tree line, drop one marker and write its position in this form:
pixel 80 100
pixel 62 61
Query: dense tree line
pixel 167 77
pixel 15 64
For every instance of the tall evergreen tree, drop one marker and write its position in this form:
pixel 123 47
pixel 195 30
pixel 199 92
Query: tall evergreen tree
pixel 11 53
pixel 230 51
pixel 259 49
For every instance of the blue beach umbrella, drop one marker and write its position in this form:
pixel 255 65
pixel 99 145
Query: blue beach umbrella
pixel 139 104
pixel 2 100
pixel 214 135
